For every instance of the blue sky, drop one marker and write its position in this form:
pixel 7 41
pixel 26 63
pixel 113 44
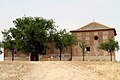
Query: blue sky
pixel 69 14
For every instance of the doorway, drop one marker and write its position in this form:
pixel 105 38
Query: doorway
pixel 34 56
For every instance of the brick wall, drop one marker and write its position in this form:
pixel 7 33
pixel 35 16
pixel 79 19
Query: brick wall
pixel 92 42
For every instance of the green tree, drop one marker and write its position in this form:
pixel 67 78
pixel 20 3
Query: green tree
pixel 110 46
pixel 82 45
pixel 63 40
pixel 31 35
pixel 8 43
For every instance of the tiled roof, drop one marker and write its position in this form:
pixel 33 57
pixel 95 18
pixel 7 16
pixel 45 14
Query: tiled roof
pixel 93 26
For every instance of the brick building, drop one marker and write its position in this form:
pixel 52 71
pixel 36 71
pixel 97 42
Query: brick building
pixel 93 34
pixel 51 51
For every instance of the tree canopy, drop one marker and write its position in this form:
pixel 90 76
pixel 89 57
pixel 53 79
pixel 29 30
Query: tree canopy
pixel 8 43
pixel 30 34
pixel 63 40
pixel 110 46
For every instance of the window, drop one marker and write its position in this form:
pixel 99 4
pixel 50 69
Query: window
pixel 95 33
pixel 87 48
pixel 105 32
pixel 79 34
pixel 105 37
pixel 87 38
pixel 96 37
pixel 79 38
pixel 105 40
pixel 87 42
pixel 87 34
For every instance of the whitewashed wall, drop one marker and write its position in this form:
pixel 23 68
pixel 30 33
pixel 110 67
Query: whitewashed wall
pixel 2 55
pixel 117 55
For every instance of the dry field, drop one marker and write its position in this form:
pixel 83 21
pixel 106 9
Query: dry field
pixel 56 70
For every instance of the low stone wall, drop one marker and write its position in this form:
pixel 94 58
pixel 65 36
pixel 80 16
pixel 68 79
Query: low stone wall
pixel 92 58
pixel 17 58
pixel 65 57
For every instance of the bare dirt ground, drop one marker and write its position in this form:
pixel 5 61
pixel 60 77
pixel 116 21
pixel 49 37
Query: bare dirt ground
pixel 56 70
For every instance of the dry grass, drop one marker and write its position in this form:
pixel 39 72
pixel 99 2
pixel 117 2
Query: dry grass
pixel 14 70
pixel 107 70
pixel 102 69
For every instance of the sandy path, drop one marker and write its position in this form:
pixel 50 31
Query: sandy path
pixel 59 71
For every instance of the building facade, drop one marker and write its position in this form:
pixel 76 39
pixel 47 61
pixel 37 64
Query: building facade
pixel 51 51
pixel 93 34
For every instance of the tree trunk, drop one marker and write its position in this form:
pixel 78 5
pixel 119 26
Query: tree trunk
pixel 60 54
pixel 13 55
pixel 110 55
pixel 71 54
pixel 83 54
pixel 34 56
